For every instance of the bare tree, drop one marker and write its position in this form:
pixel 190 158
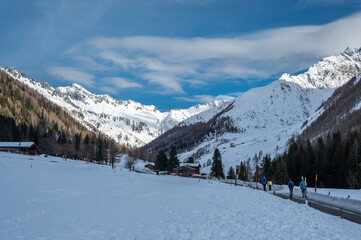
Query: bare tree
pixel 130 162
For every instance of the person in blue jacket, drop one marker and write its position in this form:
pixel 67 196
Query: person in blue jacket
pixel 290 186
pixel 303 187
pixel 264 182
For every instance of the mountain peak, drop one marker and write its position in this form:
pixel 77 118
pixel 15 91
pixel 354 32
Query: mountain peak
pixel 352 51
pixel 331 72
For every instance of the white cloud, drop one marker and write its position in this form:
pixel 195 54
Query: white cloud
pixel 90 63
pixel 117 59
pixel 121 83
pixel 109 89
pixel 170 82
pixel 171 62
pixel 205 98
pixel 72 75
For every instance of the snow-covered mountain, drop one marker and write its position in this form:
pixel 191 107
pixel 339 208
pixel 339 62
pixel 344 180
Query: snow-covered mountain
pixel 267 117
pixel 342 111
pixel 127 122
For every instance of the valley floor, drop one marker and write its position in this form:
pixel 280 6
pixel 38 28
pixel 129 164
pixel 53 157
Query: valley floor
pixel 48 198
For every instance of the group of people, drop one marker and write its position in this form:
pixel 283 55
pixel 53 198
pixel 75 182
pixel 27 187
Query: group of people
pixel 291 185
pixel 303 187
pixel 265 182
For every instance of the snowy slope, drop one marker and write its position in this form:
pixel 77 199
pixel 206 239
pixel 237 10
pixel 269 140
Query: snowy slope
pixel 267 117
pixel 127 122
pixel 48 198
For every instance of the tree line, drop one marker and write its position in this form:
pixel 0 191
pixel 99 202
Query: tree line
pixel 335 160
pixel 26 115
pixel 164 163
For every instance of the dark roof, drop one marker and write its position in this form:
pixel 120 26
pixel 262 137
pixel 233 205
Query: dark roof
pixel 193 169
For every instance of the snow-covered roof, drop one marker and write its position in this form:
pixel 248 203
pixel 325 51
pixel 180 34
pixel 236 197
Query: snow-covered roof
pixel 16 144
pixel 189 164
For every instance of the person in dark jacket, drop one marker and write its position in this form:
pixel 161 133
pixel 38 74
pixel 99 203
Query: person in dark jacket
pixel 291 186
pixel 264 182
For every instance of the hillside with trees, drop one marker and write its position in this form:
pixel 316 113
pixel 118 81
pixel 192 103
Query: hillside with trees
pixel 339 112
pixel 335 160
pixel 184 137
pixel 328 147
pixel 26 115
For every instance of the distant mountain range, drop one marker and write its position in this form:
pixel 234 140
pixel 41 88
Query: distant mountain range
pixel 127 122
pixel 266 118
pixel 262 119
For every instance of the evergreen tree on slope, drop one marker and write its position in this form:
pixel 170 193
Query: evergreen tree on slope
pixel 217 168
pixel 161 161
pixel 173 161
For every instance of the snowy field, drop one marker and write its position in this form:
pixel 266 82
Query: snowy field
pixel 48 198
pixel 340 193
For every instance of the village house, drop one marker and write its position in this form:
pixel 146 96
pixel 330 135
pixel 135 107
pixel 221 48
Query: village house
pixel 20 147
pixel 185 171
pixel 150 166
pixel 195 166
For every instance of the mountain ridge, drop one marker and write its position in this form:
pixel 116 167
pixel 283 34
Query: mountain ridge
pixel 127 122
pixel 267 117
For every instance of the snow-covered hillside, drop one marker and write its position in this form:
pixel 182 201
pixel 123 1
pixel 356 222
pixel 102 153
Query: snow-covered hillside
pixel 267 117
pixel 48 198
pixel 127 122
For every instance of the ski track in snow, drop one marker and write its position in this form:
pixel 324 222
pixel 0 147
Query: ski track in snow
pixel 74 200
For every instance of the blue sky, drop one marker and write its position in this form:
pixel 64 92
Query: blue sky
pixel 173 53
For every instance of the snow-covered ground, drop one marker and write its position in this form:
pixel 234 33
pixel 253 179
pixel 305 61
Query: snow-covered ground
pixel 340 193
pixel 48 198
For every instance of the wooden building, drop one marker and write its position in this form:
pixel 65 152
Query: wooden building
pixel 185 171
pixel 150 166
pixel 195 166
pixel 20 147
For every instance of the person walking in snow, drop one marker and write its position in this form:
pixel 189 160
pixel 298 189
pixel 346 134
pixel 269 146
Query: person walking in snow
pixel 303 187
pixel 290 187
pixel 264 182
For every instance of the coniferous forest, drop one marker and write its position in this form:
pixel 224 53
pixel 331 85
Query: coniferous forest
pixel 335 160
pixel 26 115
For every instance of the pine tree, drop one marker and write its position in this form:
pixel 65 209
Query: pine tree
pixel 161 161
pixel 217 168
pixel 242 172
pixel 190 160
pixel 77 141
pixel 99 151
pixel 231 174
pixel 266 164
pixel 173 161
pixel 86 140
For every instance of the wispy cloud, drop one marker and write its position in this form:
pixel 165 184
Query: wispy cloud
pixel 121 83
pixel 169 82
pixel 72 75
pixel 172 63
pixel 205 98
